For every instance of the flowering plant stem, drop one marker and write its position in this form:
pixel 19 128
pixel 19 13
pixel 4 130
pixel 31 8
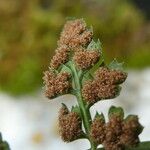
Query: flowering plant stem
pixel 85 112
pixel 78 68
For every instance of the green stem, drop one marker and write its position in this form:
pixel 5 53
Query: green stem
pixel 85 112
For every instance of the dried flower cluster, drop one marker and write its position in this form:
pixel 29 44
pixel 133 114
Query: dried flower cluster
pixel 60 57
pixel 97 131
pixel 117 133
pixel 56 84
pixel 104 85
pixel 85 59
pixel 70 125
pixel 68 73
pixel 74 35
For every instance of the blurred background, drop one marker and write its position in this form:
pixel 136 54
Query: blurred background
pixel 29 30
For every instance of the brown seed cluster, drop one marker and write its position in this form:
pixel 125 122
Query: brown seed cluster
pixel 131 129
pixel 113 132
pixel 107 76
pixel 85 59
pixel 70 125
pixel 56 84
pixel 104 86
pixel 97 131
pixel 60 57
pixel 117 133
pixel 75 34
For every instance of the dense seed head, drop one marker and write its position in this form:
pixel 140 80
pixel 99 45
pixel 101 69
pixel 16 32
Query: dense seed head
pixel 107 76
pixel 104 86
pixel 121 133
pixel 75 34
pixel 70 125
pixel 94 91
pixel 60 57
pixel 85 59
pixel 62 83
pixel 49 81
pixel 113 132
pixel 56 84
pixel 131 130
pixel 97 131
pixel 89 92
pixel 107 91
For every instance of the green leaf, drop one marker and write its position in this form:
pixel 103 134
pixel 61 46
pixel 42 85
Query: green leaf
pixel 95 46
pixel 69 66
pixel 87 76
pixel 64 105
pixel 66 69
pixel 76 109
pixel 115 65
pixel 141 146
pixel 3 144
pixel 80 72
pixel 100 116
pixel 118 91
pixel 96 66
pixel 116 111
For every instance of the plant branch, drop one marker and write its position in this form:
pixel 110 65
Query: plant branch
pixel 84 110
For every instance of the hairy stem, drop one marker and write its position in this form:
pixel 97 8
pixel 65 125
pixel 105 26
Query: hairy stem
pixel 84 110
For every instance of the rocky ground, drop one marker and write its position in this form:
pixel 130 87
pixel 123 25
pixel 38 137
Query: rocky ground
pixel 30 122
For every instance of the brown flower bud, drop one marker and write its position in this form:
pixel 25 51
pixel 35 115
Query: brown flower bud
pixel 94 91
pixel 89 92
pixel 107 91
pixel 70 125
pixel 62 83
pixel 106 76
pixel 104 86
pixel 56 84
pixel 121 133
pixel 113 132
pixel 75 34
pixel 49 81
pixel 85 59
pixel 97 131
pixel 131 130
pixel 60 57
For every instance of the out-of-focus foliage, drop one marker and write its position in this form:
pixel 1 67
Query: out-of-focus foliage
pixel 29 30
